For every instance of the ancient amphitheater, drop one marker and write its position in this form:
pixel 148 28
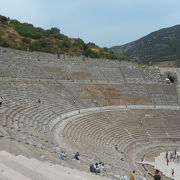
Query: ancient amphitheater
pixel 116 112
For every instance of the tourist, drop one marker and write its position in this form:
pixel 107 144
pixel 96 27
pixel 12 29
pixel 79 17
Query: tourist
pixel 63 155
pixel 132 175
pixel 97 170
pixel 1 101
pixel 157 176
pixel 122 159
pixel 172 173
pixel 77 155
pixel 58 55
pixel 166 154
pixel 116 147
pixel 101 167
pixel 94 168
pixel 39 101
pixel 74 101
pixel 167 160
pixel 141 123
pixel 167 80
pixel 123 177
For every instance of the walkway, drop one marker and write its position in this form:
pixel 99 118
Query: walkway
pixel 160 164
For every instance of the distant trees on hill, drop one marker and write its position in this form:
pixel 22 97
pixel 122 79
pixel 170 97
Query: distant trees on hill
pixel 159 46
pixel 25 36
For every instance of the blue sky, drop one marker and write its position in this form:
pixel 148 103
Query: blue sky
pixel 104 22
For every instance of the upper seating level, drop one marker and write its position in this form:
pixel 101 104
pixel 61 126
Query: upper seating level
pixel 21 64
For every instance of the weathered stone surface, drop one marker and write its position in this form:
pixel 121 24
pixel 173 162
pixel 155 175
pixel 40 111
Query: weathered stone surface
pixel 3 132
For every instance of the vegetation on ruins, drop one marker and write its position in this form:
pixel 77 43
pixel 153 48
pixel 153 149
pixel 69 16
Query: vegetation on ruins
pixel 162 45
pixel 24 36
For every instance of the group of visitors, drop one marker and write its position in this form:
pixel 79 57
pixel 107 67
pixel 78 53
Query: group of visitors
pixel 157 176
pixel 132 176
pixel 64 156
pixel 97 168
pixel 172 156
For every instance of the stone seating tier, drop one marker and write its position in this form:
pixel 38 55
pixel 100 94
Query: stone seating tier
pixel 124 129
pixel 20 167
pixel 70 86
pixel 42 65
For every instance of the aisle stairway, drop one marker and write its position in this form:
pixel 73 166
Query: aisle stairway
pixel 19 167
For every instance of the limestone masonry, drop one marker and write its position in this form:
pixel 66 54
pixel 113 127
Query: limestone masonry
pixel 111 111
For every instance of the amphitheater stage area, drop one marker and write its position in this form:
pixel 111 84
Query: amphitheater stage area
pixel 115 112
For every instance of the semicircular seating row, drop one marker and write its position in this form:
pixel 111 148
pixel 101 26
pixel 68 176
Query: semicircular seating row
pixel 105 130
pixel 22 109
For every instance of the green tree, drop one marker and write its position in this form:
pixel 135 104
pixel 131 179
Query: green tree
pixel 3 19
pixel 53 31
pixel 4 43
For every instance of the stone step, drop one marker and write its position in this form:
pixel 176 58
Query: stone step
pixel 12 163
pixel 7 173
pixel 33 169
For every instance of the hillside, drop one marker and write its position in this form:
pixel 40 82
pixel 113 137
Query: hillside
pixel 24 36
pixel 158 46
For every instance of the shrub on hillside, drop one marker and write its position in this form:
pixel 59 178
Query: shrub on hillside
pixel 92 45
pixel 91 54
pixel 35 46
pixel 114 56
pixel 26 40
pixel 53 30
pixel 28 30
pixel 66 44
pixel 3 43
pixel 3 19
pixel 79 43
pixel 43 42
